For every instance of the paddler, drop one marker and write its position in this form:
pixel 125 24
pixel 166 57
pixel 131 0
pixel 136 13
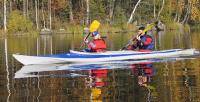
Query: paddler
pixel 97 44
pixel 144 41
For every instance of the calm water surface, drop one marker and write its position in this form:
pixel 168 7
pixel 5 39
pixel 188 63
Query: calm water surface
pixel 168 80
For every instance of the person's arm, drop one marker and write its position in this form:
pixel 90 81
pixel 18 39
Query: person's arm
pixel 91 45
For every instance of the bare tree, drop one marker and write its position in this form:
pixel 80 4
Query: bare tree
pixel 88 12
pixel 163 3
pixel 154 8
pixel 5 22
pixel 44 23
pixel 36 14
pixel 71 12
pixel 24 7
pixel 112 6
pixel 49 2
pixel 10 3
pixel 27 5
pixel 186 17
pixel 131 17
pixel 176 16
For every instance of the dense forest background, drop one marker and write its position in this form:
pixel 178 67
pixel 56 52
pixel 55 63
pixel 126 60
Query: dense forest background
pixel 26 15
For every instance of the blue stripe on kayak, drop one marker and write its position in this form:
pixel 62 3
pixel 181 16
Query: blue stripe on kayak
pixel 73 55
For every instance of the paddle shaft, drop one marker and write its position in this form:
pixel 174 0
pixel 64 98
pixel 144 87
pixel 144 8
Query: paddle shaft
pixel 131 40
pixel 83 43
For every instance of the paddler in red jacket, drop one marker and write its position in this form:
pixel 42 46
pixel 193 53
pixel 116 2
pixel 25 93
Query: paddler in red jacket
pixel 97 44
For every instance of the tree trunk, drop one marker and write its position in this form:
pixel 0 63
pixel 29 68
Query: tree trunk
pixel 24 7
pixel 131 17
pixel 10 2
pixel 176 16
pixel 44 23
pixel 88 12
pixel 5 13
pixel 71 12
pixel 163 3
pixel 154 8
pixel 27 8
pixel 36 14
pixel 112 6
pixel 187 13
pixel 50 14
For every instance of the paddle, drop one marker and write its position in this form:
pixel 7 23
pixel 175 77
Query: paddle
pixel 93 27
pixel 149 27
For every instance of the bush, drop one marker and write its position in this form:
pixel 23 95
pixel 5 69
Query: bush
pixel 17 23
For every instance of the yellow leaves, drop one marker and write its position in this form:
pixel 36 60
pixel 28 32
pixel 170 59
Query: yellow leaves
pixel 59 4
pixel 18 23
pixel 195 14
pixel 195 10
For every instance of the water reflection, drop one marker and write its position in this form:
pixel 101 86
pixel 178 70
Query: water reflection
pixel 144 73
pixel 173 80
pixel 7 70
pixel 96 80
pixel 95 75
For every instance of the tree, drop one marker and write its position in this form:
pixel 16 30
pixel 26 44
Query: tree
pixel 5 19
pixel 88 12
pixel 71 12
pixel 163 3
pixel 49 7
pixel 112 6
pixel 36 14
pixel 131 17
pixel 19 23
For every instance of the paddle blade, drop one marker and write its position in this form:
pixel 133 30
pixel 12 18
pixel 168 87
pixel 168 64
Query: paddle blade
pixel 150 26
pixel 94 25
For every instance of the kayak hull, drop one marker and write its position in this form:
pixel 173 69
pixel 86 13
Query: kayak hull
pixel 76 56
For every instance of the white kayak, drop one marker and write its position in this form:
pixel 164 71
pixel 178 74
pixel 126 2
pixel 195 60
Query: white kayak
pixel 76 56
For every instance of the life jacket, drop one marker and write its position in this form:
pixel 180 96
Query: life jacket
pixel 97 45
pixel 146 43
pixel 101 74
pixel 143 69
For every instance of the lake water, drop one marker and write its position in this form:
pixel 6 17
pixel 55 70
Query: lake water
pixel 167 80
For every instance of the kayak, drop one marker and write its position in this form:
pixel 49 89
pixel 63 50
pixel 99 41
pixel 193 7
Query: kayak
pixel 77 57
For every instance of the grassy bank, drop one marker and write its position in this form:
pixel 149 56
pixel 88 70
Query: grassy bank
pixel 104 28
pixel 177 26
pixel 195 27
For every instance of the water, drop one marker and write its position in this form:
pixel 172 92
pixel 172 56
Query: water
pixel 167 80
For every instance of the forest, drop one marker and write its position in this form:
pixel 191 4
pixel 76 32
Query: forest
pixel 34 15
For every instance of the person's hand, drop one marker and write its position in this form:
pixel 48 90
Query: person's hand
pixel 138 37
pixel 86 41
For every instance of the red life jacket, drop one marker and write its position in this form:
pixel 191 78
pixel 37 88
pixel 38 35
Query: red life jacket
pixel 97 45
pixel 101 74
